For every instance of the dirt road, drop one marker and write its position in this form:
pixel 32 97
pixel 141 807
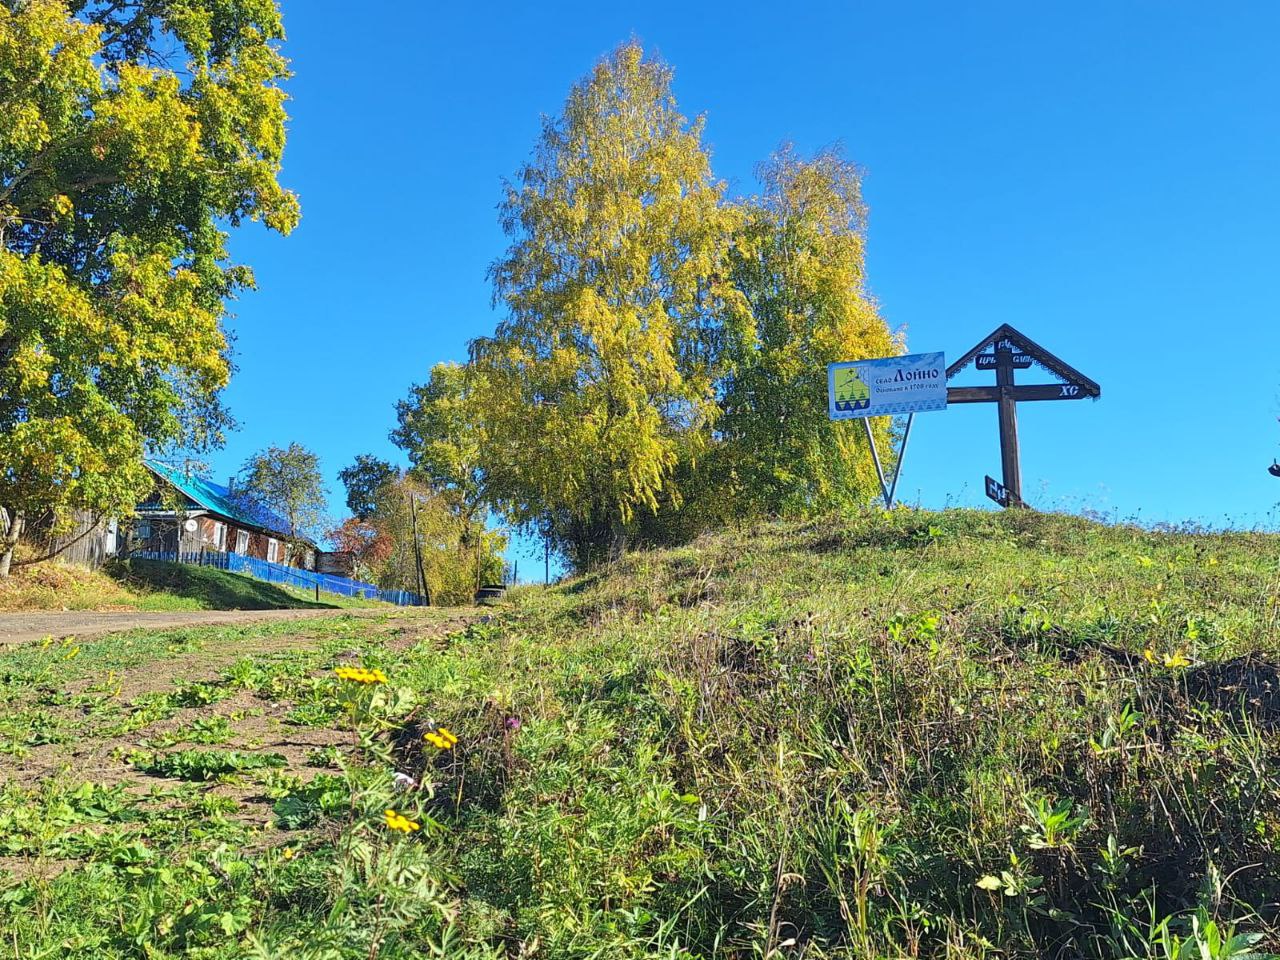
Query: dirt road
pixel 23 627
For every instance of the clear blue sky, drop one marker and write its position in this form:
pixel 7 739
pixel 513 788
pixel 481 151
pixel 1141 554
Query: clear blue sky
pixel 1104 176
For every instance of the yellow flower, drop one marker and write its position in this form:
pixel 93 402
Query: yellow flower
pixel 401 823
pixel 1211 562
pixel 441 737
pixel 360 675
pixel 1171 660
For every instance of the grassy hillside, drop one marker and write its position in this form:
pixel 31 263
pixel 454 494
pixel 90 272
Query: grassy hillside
pixel 152 585
pixel 208 588
pixel 952 735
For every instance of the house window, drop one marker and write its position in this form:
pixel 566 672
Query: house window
pixel 273 546
pixel 242 541
pixel 143 530
pixel 219 536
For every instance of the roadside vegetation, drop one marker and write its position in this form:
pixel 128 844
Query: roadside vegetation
pixel 153 585
pixel 952 735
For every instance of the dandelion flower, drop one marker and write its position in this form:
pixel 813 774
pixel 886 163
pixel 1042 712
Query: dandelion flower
pixel 401 823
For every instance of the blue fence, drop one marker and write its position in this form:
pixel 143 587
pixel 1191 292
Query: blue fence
pixel 279 573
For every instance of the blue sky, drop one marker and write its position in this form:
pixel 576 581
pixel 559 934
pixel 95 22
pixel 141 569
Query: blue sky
pixel 1101 175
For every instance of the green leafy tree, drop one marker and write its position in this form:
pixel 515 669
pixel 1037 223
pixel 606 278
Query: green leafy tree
pixel 602 377
pixel 286 481
pixel 417 524
pixel 131 133
pixel 362 480
pixel 800 263
pixel 440 429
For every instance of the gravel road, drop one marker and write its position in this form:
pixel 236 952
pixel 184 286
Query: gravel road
pixel 23 627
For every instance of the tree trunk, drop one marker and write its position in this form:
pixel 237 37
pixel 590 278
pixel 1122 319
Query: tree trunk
pixel 617 540
pixel 9 538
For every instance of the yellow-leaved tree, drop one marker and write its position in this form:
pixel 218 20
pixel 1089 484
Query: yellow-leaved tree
pixel 619 314
pixel 131 134
pixel 800 263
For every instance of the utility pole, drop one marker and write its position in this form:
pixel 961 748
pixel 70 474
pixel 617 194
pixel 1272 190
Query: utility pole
pixel 417 551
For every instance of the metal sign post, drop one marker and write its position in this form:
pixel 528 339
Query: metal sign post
pixel 861 389
pixel 890 491
pixel 1005 351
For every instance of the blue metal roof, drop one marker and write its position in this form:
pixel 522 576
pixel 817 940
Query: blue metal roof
pixel 218 499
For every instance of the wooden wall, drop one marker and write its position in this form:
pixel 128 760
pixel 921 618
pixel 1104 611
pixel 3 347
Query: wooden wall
pixel 90 543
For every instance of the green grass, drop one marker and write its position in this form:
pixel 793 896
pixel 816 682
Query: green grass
pixel 953 735
pixel 175 586
pixel 158 586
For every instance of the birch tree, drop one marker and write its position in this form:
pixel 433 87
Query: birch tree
pixel 601 378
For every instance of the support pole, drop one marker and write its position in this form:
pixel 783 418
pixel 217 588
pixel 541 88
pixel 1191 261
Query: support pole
pixel 1008 411
pixel 875 458
pixel 902 453
pixel 888 491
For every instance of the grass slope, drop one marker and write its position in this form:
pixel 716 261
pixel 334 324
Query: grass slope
pixel 153 585
pixel 954 735
pixel 209 588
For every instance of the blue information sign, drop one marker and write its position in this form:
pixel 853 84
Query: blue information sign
pixel 887 386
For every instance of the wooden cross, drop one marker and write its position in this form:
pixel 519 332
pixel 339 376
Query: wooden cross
pixel 1005 351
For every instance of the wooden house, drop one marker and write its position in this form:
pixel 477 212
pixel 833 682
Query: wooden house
pixel 187 513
